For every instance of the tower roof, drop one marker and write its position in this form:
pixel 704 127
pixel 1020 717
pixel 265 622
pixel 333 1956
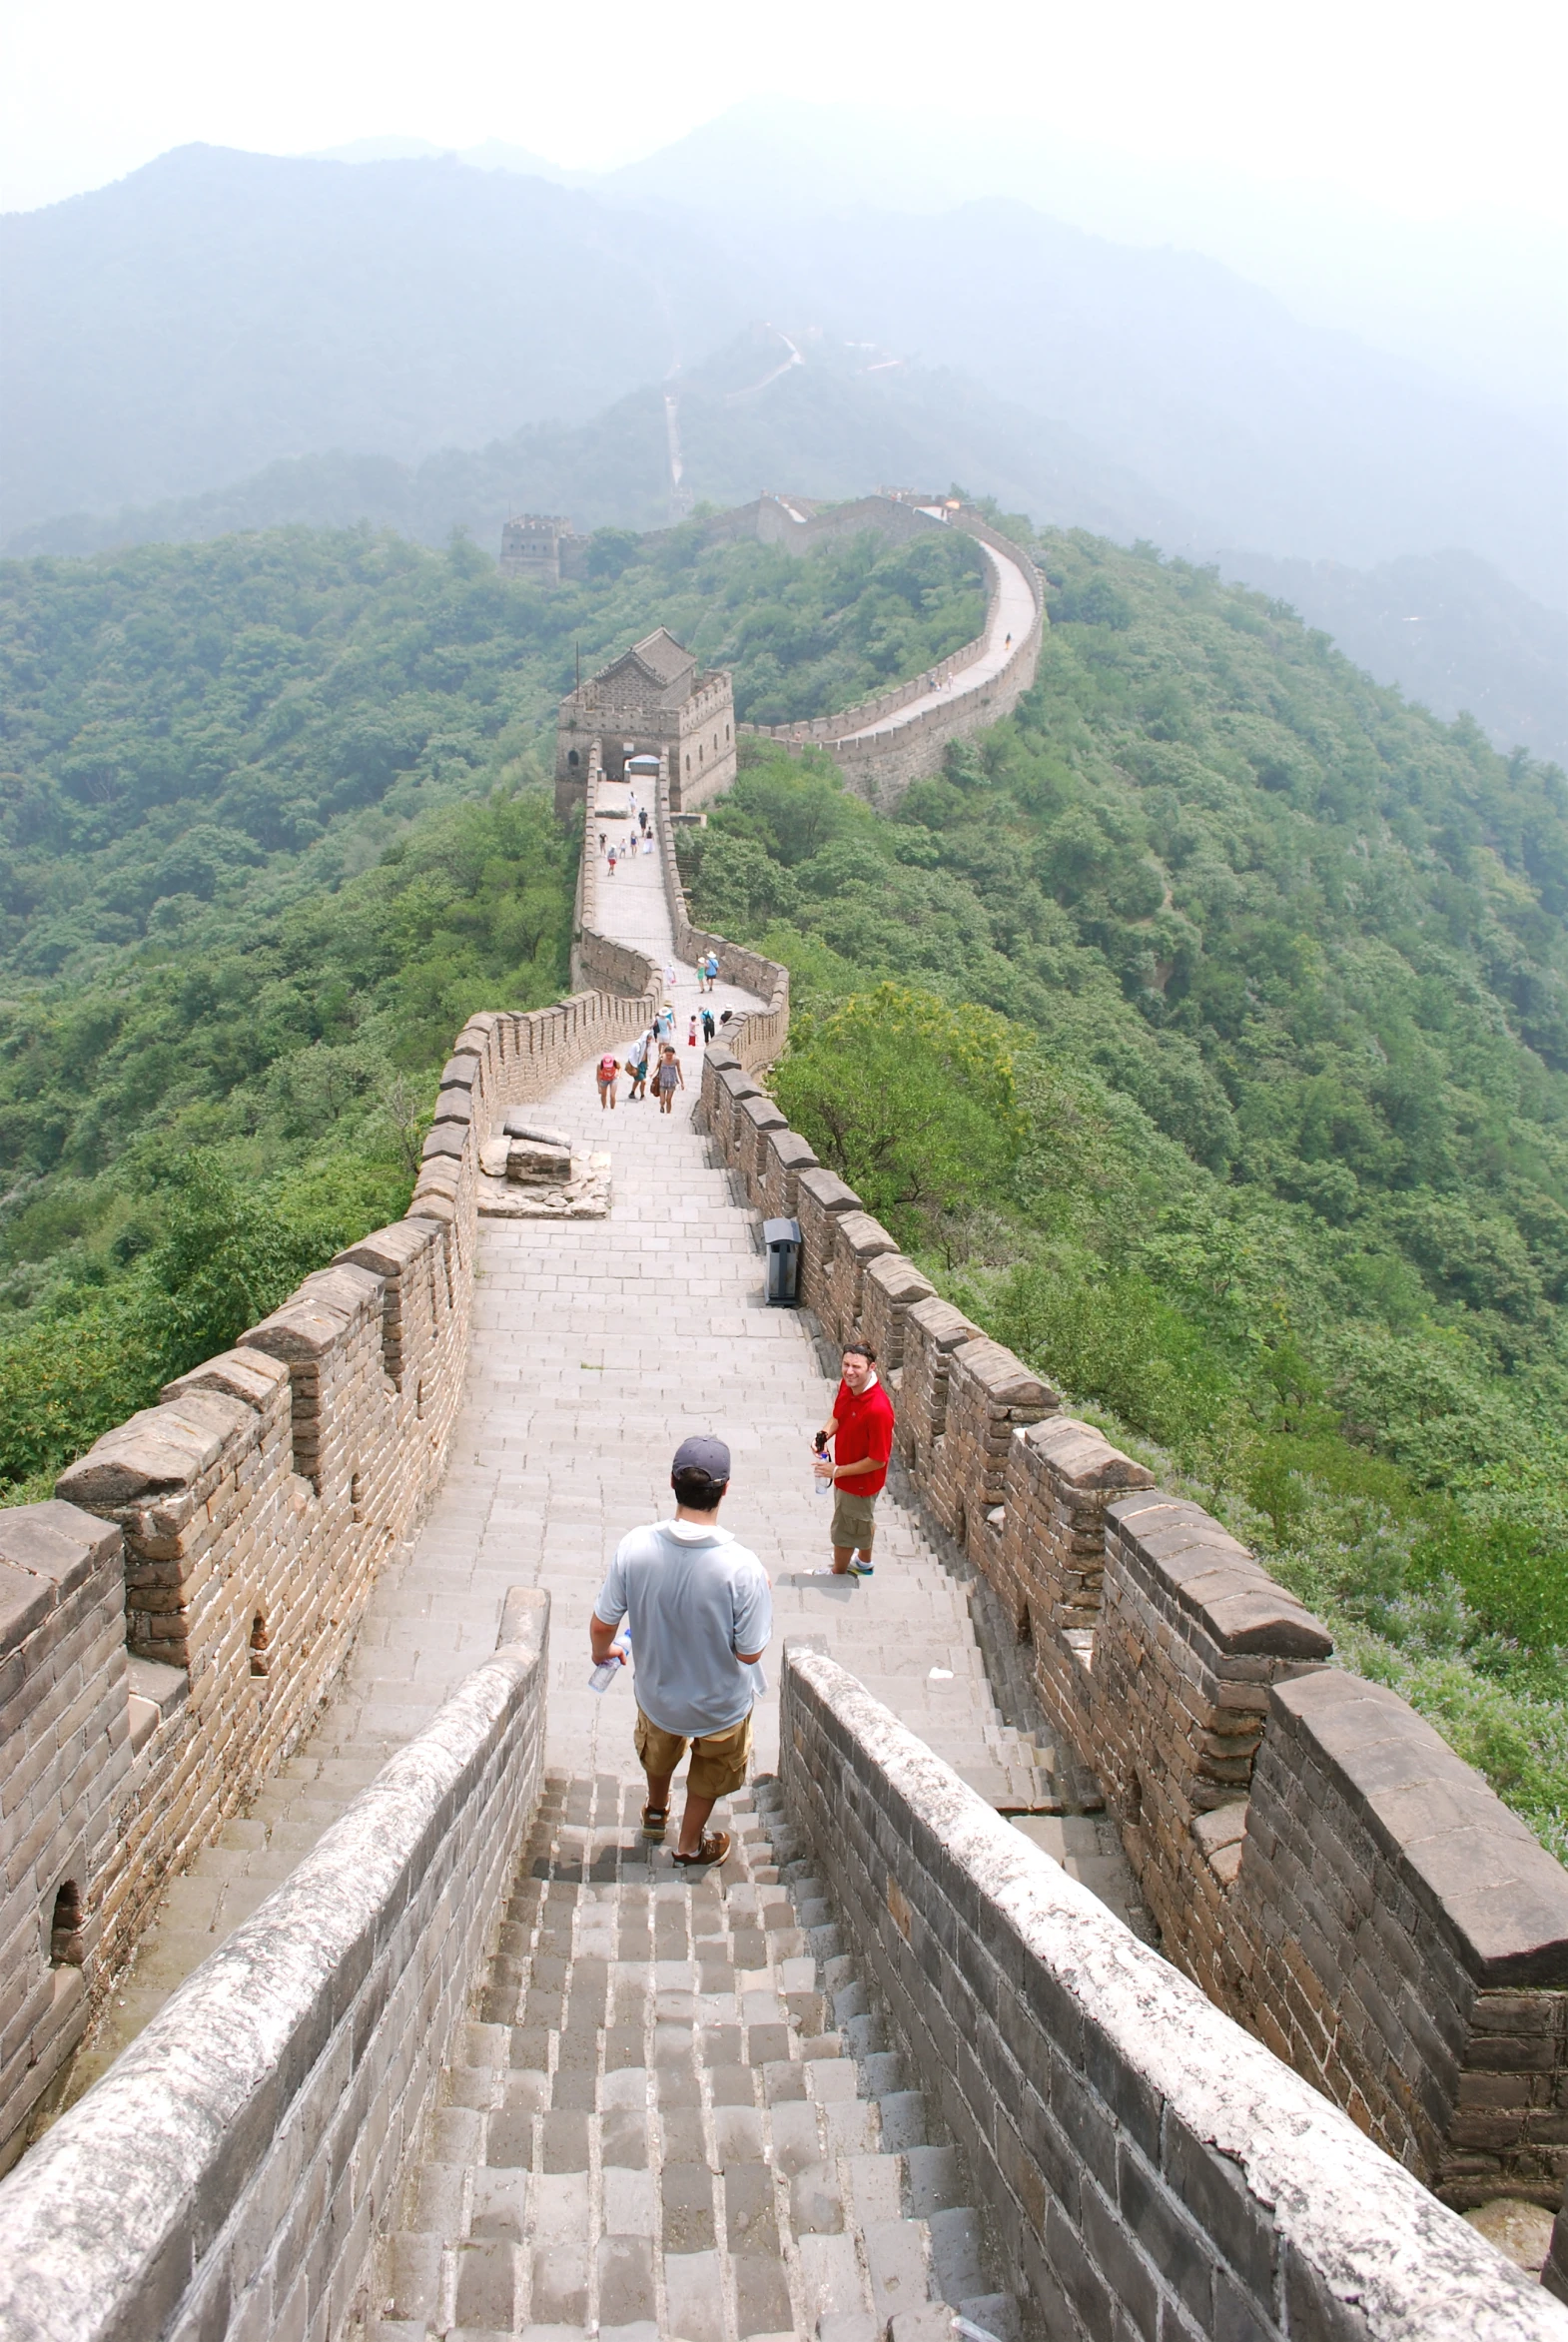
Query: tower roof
pixel 664 657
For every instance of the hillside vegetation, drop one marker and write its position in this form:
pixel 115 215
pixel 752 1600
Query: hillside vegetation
pixel 274 827
pixel 1204 1030
pixel 190 729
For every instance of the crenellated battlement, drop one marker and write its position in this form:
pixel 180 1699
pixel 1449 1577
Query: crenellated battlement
pixel 1314 1855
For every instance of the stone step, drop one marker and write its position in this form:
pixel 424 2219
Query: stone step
pixel 676 2113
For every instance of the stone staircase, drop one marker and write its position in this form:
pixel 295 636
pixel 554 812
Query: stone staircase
pixel 677 2117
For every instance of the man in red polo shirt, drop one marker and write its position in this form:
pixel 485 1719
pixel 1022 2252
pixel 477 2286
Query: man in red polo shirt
pixel 861 1429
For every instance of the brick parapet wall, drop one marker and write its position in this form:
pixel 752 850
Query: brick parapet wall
pixel 784 1156
pixel 754 1036
pixel 933 1331
pixel 1166 1658
pixel 858 1241
pixel 1409 1939
pixel 756 1119
pixel 1049 1565
pixel 881 766
pixel 991 1394
pixel 890 1288
pixel 64 1691
pixel 1191 1636
pixel 1146 2167
pixel 230 2173
pixel 821 1199
pixel 257 1502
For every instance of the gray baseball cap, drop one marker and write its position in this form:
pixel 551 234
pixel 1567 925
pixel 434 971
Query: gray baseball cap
pixel 702 1454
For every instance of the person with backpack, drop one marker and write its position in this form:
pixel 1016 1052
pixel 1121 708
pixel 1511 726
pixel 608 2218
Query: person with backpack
pixel 707 1024
pixel 608 1069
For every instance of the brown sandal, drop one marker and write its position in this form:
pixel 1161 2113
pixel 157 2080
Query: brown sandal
pixel 655 1820
pixel 709 1855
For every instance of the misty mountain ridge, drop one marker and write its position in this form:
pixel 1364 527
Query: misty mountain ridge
pixel 1447 627
pixel 1460 294
pixel 217 312
pixel 840 422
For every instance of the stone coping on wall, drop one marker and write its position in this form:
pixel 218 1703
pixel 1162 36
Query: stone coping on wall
pixel 228 2172
pixel 1148 2166
pixel 1213 1578
pixel 1479 1874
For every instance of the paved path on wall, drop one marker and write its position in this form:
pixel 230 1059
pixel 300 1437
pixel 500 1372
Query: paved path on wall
pixel 596 1346
pixel 675 2112
pixel 1011 619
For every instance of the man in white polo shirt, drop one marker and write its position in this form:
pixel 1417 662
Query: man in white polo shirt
pixel 701 1616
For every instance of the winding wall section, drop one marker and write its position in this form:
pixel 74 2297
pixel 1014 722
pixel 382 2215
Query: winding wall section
pixel 885 744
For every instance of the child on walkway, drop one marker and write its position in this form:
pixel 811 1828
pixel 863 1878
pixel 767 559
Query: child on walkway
pixel 608 1068
pixel 668 1079
pixel 691 1035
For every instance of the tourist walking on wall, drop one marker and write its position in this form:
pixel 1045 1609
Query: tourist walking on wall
pixel 603 840
pixel 669 1078
pixel 605 1073
pixel 707 1024
pixel 637 1068
pixel 861 1431
pixel 691 1030
pixel 701 1616
pixel 613 861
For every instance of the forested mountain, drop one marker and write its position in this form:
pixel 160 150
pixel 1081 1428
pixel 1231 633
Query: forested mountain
pixel 845 419
pixel 1205 1027
pixel 218 310
pixel 1448 628
pixel 216 313
pixel 274 824
pixel 1205 1030
pixel 189 730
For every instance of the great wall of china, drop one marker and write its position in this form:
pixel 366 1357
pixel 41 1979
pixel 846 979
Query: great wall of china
pixel 322 1868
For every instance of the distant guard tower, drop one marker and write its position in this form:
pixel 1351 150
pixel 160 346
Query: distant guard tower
pixel 540 546
pixel 648 700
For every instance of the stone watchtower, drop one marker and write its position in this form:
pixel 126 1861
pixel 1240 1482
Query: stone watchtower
pixel 539 546
pixel 649 700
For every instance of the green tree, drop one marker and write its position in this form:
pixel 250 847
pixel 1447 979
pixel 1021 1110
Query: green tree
pixel 911 1102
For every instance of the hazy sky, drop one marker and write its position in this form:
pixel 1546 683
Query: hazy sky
pixel 1424 106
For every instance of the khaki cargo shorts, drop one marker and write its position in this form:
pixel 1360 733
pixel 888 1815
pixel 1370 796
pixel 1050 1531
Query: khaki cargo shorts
pixel 718 1759
pixel 854 1519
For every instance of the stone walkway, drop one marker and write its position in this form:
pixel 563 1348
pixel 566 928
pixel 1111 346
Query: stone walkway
pixel 677 2116
pixel 597 1346
pixel 1011 619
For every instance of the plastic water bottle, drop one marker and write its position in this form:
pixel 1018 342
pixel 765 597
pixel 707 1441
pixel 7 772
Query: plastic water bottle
pixel 823 1487
pixel 601 1677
